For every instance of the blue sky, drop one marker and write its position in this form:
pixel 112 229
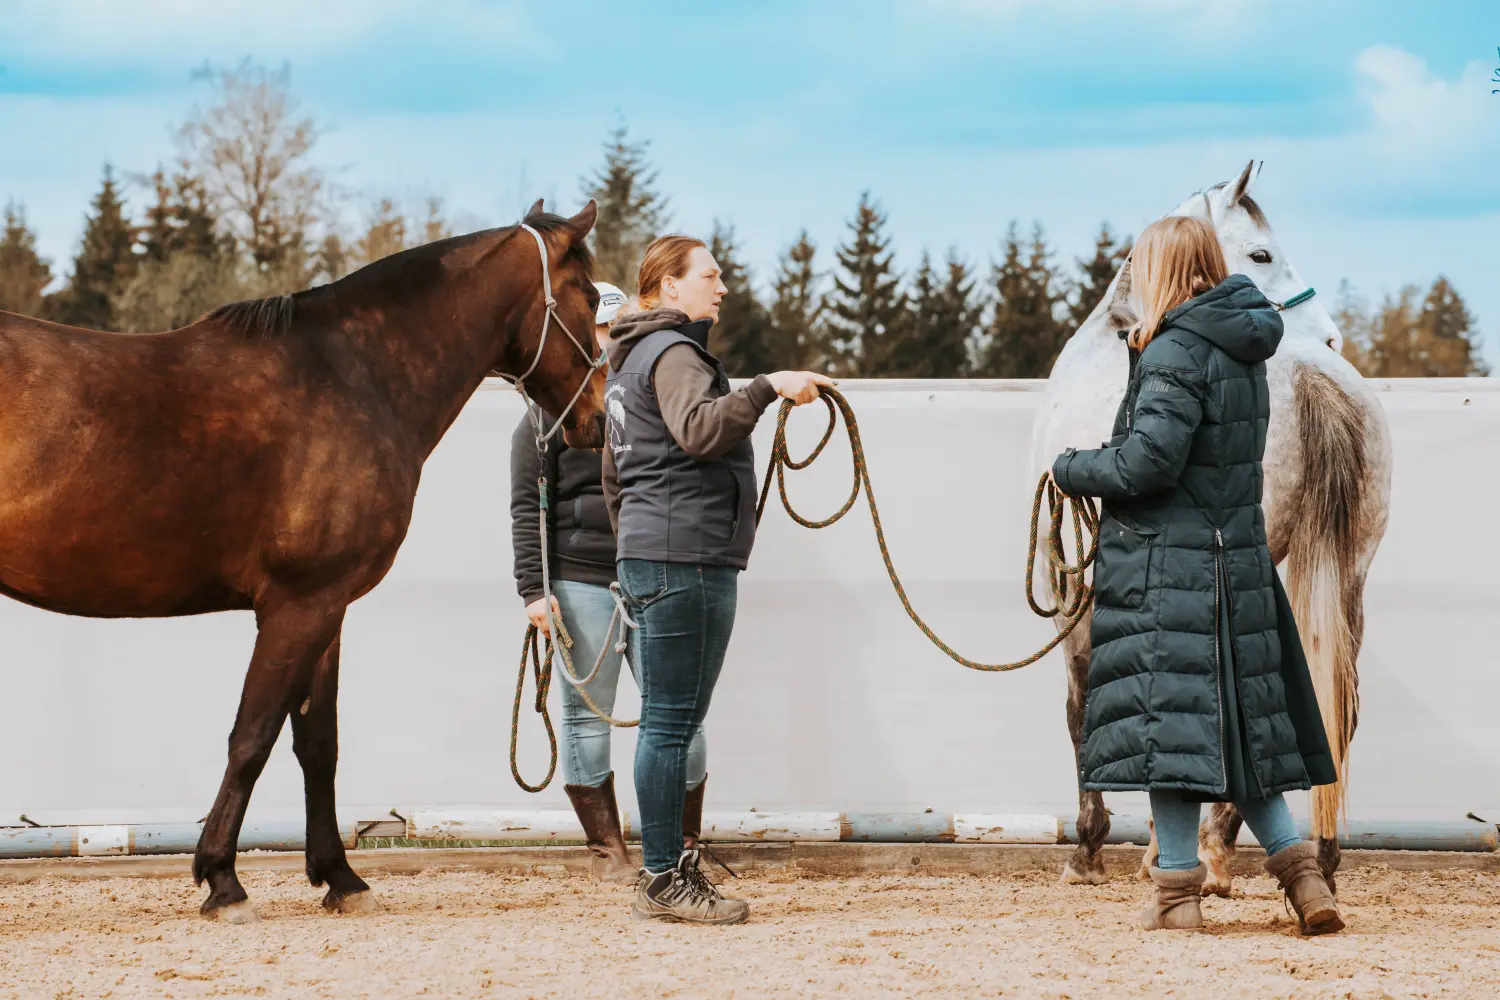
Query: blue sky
pixel 1375 118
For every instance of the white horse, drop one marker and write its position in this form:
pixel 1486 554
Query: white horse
pixel 1327 495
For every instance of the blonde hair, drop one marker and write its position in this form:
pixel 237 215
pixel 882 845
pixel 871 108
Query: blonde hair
pixel 666 257
pixel 1174 260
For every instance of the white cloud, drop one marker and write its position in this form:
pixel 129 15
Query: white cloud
pixel 111 33
pixel 1419 117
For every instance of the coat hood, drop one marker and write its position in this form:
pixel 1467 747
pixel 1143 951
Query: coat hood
pixel 633 328
pixel 1233 316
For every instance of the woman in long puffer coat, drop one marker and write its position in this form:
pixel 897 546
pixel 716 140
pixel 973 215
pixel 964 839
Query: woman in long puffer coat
pixel 1198 687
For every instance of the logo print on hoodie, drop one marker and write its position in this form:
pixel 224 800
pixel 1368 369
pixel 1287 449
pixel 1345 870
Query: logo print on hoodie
pixel 615 407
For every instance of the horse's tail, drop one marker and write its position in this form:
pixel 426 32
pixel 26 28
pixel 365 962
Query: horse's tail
pixel 1322 568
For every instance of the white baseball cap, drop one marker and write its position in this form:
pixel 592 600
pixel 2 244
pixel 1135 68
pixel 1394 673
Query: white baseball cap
pixel 611 299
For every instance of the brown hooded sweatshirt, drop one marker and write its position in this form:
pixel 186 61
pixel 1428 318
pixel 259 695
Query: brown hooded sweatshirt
pixel 703 425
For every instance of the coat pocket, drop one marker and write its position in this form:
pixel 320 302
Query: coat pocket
pixel 1122 570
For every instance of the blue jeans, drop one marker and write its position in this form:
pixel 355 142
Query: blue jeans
pixel 586 610
pixel 1177 827
pixel 686 614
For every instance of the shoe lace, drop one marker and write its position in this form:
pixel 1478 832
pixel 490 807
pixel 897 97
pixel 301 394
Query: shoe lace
pixel 692 875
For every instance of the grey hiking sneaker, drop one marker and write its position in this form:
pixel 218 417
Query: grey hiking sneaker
pixel 684 893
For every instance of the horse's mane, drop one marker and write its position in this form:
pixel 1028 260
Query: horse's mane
pixel 265 317
pixel 272 316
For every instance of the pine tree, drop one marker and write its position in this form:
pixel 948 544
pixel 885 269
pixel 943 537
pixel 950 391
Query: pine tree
pixel 1095 275
pixel 1413 336
pixel 1448 328
pixel 180 219
pixel 186 265
pixel 24 275
pixel 435 226
pixel 333 257
pixel 631 212
pixel 797 335
pixel 104 265
pixel 384 235
pixel 866 310
pixel 943 324
pixel 739 337
pixel 1024 335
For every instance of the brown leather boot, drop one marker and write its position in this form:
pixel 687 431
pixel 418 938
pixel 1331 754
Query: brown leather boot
pixel 600 817
pixel 692 816
pixel 1177 903
pixel 1296 868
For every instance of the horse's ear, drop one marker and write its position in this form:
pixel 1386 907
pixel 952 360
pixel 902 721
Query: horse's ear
pixel 583 223
pixel 1242 186
pixel 534 209
pixel 1121 313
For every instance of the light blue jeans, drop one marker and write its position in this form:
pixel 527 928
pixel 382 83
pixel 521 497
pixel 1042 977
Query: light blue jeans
pixel 586 610
pixel 1177 827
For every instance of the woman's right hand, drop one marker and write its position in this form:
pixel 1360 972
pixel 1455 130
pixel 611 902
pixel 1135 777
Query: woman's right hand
pixel 537 612
pixel 799 387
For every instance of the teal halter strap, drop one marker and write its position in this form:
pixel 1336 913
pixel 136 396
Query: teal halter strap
pixel 1295 300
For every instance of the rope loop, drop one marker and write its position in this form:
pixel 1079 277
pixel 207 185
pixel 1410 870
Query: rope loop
pixel 1072 594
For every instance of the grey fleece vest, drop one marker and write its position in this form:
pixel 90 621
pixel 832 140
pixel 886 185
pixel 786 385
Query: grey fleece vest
pixel 674 508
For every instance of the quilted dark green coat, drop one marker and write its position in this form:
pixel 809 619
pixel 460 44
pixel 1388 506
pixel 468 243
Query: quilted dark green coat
pixel 1197 680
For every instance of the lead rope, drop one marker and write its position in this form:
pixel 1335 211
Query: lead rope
pixel 620 623
pixel 1072 594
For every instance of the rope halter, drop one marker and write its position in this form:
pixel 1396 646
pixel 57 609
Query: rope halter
pixel 596 362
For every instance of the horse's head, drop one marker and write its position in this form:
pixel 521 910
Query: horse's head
pixel 565 364
pixel 1250 248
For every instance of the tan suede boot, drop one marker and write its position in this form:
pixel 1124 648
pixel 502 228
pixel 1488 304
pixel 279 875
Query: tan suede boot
pixel 599 815
pixel 1177 903
pixel 1296 868
pixel 692 815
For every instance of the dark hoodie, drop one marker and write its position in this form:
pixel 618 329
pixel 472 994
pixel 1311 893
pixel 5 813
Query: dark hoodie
pixel 1197 682
pixel 704 424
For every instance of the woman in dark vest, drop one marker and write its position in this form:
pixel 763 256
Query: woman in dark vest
pixel 581 544
pixel 1198 687
pixel 679 478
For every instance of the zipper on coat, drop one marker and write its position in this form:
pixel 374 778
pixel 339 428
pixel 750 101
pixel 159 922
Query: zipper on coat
pixel 1220 579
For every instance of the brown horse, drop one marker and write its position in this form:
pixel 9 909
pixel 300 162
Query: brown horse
pixel 266 458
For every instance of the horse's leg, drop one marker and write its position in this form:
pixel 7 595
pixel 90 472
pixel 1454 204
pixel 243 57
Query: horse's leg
pixel 1085 867
pixel 291 638
pixel 1218 837
pixel 1153 852
pixel 315 739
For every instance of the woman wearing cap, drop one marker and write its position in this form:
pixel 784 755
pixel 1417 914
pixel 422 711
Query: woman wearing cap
pixel 581 545
pixel 679 479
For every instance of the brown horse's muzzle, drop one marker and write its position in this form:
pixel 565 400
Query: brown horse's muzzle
pixel 585 432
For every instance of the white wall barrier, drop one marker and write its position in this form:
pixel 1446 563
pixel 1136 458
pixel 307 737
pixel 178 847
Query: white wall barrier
pixel 830 701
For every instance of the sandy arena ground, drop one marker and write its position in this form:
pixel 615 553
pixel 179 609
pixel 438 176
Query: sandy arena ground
pixel 451 934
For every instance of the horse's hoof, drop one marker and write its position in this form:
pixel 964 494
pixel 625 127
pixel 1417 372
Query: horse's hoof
pixel 354 904
pixel 1072 876
pixel 1214 886
pixel 234 913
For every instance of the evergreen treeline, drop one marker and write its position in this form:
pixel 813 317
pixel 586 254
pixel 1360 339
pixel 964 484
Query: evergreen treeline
pixel 244 212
